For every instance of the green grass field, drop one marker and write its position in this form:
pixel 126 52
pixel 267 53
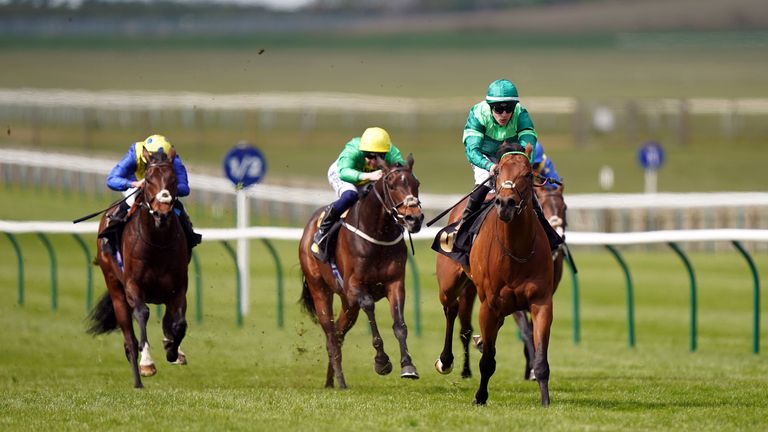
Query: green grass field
pixel 261 377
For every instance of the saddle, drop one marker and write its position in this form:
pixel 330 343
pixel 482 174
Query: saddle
pixel 455 241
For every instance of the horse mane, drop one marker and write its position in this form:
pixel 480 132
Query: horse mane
pixel 509 146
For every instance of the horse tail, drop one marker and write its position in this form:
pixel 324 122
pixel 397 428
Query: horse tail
pixel 307 303
pixel 102 317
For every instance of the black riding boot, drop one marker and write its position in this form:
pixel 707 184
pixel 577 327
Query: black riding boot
pixel 476 200
pixel 193 238
pixel 111 232
pixel 554 238
pixel 320 240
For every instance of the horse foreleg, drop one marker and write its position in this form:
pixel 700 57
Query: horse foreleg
pixel 396 298
pixel 141 314
pixel 542 320
pixel 131 345
pixel 466 303
pixel 174 329
pixel 347 318
pixel 490 323
pixel 382 365
pixel 526 333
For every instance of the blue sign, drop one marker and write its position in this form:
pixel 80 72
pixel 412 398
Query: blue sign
pixel 651 156
pixel 244 165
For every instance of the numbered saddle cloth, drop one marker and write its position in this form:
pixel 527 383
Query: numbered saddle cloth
pixel 455 241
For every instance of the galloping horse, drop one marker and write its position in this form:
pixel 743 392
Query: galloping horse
pixel 511 267
pixel 370 258
pixel 553 206
pixel 154 255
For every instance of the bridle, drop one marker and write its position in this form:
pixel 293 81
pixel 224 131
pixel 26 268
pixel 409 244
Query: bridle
pixel 163 196
pixel 510 184
pixel 522 205
pixel 391 207
pixel 389 204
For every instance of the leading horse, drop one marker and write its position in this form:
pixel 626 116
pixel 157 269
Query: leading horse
pixel 511 267
pixel 154 255
pixel 369 259
pixel 554 208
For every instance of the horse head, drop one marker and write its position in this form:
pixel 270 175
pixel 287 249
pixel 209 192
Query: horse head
pixel 553 206
pixel 398 191
pixel 160 188
pixel 514 181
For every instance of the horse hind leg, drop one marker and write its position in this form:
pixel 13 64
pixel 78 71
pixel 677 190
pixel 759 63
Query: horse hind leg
pixel 466 303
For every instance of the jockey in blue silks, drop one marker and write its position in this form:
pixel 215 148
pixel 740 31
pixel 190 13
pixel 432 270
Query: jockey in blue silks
pixel 128 175
pixel 543 166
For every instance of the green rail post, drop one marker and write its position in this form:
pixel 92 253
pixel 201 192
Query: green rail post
pixel 238 287
pixel 279 271
pixel 692 277
pixel 19 269
pixel 755 296
pixel 576 306
pixel 198 288
pixel 630 295
pixel 88 273
pixel 52 257
pixel 416 295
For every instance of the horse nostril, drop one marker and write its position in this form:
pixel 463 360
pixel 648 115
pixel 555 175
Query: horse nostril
pixel 497 201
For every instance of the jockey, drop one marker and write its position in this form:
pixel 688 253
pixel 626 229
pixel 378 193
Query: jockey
pixel 128 175
pixel 355 166
pixel 499 118
pixel 542 165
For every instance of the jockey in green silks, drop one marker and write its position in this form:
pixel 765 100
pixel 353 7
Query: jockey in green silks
pixel 500 117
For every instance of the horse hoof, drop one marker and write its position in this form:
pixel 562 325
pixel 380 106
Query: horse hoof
pixel 477 341
pixel 181 359
pixel 147 370
pixel 383 369
pixel 441 368
pixel 409 372
pixel 476 402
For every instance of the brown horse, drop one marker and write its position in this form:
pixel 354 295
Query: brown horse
pixel 553 206
pixel 370 258
pixel 154 254
pixel 510 266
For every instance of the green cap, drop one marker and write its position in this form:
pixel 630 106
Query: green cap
pixel 502 91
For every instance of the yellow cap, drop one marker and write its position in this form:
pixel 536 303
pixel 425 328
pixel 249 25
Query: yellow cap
pixel 157 143
pixel 375 139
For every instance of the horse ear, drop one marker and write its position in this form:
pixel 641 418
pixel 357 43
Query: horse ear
pixel 172 154
pixel 145 155
pixel 409 159
pixel 529 150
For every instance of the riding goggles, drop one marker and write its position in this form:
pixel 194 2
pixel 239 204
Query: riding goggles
pixel 373 155
pixel 505 107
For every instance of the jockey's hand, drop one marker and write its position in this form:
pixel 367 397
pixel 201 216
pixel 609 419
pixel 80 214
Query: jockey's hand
pixel 137 183
pixel 494 169
pixel 371 176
